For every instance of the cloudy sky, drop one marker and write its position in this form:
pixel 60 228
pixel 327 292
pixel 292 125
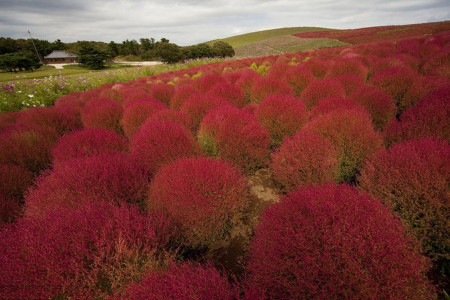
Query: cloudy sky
pixel 188 22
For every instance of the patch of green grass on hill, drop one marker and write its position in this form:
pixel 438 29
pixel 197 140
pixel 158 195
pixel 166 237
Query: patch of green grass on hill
pixel 253 37
pixel 284 44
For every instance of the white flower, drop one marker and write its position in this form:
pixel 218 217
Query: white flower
pixel 31 96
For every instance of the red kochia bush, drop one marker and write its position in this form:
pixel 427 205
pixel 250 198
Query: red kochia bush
pixel 203 197
pixel 84 253
pixel 266 86
pixel 137 112
pixel 159 142
pixel 320 89
pixel 352 133
pixel 427 118
pixel 332 242
pixel 28 147
pixel 350 82
pixel 282 116
pixel 107 177
pixel 182 93
pixel 380 105
pixel 298 78
pixel 333 103
pixel 162 92
pixel 413 178
pixel 236 136
pixel 348 66
pixel 304 158
pixel 102 114
pixel 246 80
pixel 185 281
pixel 88 142
pixel 395 82
pixel 230 92
pixel 14 181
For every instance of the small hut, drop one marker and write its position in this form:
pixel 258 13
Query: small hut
pixel 60 57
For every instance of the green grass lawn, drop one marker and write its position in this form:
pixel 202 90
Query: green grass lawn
pixel 253 37
pixel 46 71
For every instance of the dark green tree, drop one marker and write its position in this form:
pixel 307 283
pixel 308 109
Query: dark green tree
pixel 200 51
pixel 92 58
pixel 113 49
pixel 19 61
pixel 169 52
pixel 58 45
pixel 222 49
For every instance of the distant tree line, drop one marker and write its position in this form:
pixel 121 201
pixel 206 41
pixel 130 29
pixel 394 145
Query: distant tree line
pixel 19 54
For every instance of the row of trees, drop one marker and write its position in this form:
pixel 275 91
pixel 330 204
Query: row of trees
pixel 16 55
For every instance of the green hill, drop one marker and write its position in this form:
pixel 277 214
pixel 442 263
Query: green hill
pixel 253 37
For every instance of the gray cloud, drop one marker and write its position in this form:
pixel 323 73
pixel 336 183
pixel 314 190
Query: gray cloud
pixel 191 21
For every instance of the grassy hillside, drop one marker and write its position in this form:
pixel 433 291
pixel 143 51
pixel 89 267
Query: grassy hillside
pixel 253 37
pixel 284 44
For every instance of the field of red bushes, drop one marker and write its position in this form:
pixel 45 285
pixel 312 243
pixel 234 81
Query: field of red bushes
pixel 141 190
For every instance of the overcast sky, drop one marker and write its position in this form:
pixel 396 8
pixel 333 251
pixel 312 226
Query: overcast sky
pixel 188 22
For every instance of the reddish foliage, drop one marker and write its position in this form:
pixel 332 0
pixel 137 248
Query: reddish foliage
pixel 437 60
pixel 422 87
pixel 182 93
pixel 229 92
pixel 427 118
pixel 304 158
pixel 203 197
pixel 266 86
pixel 352 133
pixel 316 66
pixel 162 92
pixel 137 111
pixel 278 70
pixel 185 281
pixel 380 105
pixel 176 116
pixel 197 106
pixel 88 142
pixel 332 242
pixel 14 181
pixel 206 82
pixel 320 89
pixel 87 252
pixel 130 93
pixel 159 142
pixel 395 82
pixel 246 81
pixel 102 114
pixel 60 119
pixel 8 119
pixel 28 147
pixel 413 178
pixel 236 136
pixel 282 116
pixel 410 46
pixel 348 66
pixel 298 78
pixel 334 103
pixel 350 82
pixel 107 177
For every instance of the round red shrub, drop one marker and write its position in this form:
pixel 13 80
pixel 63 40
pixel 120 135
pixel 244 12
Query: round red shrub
pixel 102 114
pixel 130 93
pixel 182 93
pixel 422 87
pixel 28 147
pixel 230 92
pixel 348 66
pixel 304 158
pixel 353 135
pixel 427 118
pixel 14 181
pixel 84 253
pixel 317 66
pixel 298 78
pixel 245 82
pixel 203 197
pixel 159 142
pixel 282 116
pixel 412 177
pixel 107 177
pixel 10 209
pixel 184 281
pixel 236 136
pixel 176 116
pixel 8 119
pixel 88 142
pixel 59 118
pixel 437 60
pixel 380 105
pixel 334 103
pixel 136 112
pixel 266 86
pixel 162 92
pixel 206 82
pixel 197 106
pixel 332 242
pixel 350 82
pixel 321 89
pixel 395 82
